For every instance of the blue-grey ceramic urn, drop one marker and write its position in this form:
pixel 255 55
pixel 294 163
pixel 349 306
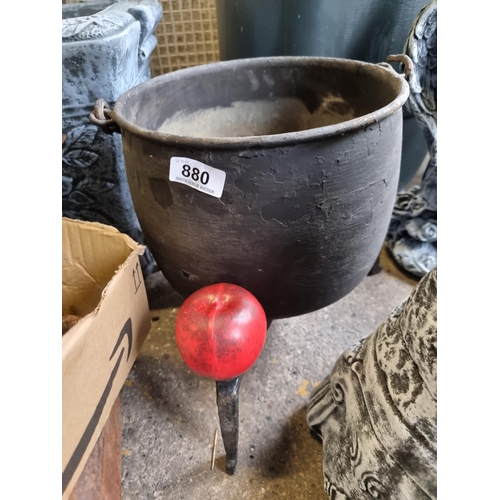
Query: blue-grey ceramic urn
pixel 106 50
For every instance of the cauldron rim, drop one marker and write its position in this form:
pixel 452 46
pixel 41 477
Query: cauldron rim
pixel 271 140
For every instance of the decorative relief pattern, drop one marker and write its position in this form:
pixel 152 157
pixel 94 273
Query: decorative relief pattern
pixel 377 412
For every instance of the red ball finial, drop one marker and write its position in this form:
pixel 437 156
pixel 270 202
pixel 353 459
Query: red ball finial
pixel 220 331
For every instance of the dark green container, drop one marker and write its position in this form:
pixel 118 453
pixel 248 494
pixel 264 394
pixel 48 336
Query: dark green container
pixel 365 30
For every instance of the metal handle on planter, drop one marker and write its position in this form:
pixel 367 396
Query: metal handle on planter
pixel 404 60
pixel 101 116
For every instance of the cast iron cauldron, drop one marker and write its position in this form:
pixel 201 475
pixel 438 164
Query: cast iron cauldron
pixel 275 174
pixel 303 211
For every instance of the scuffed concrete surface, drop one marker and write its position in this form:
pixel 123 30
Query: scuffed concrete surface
pixel 169 414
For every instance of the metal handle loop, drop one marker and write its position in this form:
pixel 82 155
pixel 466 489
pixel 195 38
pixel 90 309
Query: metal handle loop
pixel 405 61
pixel 101 116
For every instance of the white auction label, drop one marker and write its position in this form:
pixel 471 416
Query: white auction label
pixel 197 175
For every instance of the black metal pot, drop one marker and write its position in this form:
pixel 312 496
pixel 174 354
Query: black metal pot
pixel 303 211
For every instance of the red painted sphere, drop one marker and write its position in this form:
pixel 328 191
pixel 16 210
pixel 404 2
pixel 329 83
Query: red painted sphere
pixel 220 331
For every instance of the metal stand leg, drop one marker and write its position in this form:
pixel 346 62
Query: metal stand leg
pixel 227 403
pixel 376 268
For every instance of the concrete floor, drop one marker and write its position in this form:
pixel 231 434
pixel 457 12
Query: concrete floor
pixel 169 414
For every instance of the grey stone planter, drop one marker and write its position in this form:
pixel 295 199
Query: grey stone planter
pixel 106 49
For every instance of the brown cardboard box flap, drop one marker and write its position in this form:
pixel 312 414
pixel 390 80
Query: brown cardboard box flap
pixel 92 254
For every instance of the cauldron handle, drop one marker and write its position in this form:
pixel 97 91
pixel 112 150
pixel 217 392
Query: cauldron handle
pixel 400 58
pixel 101 116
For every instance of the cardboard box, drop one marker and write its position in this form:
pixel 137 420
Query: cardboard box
pixel 102 284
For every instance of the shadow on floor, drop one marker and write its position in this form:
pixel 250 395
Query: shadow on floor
pixel 161 295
